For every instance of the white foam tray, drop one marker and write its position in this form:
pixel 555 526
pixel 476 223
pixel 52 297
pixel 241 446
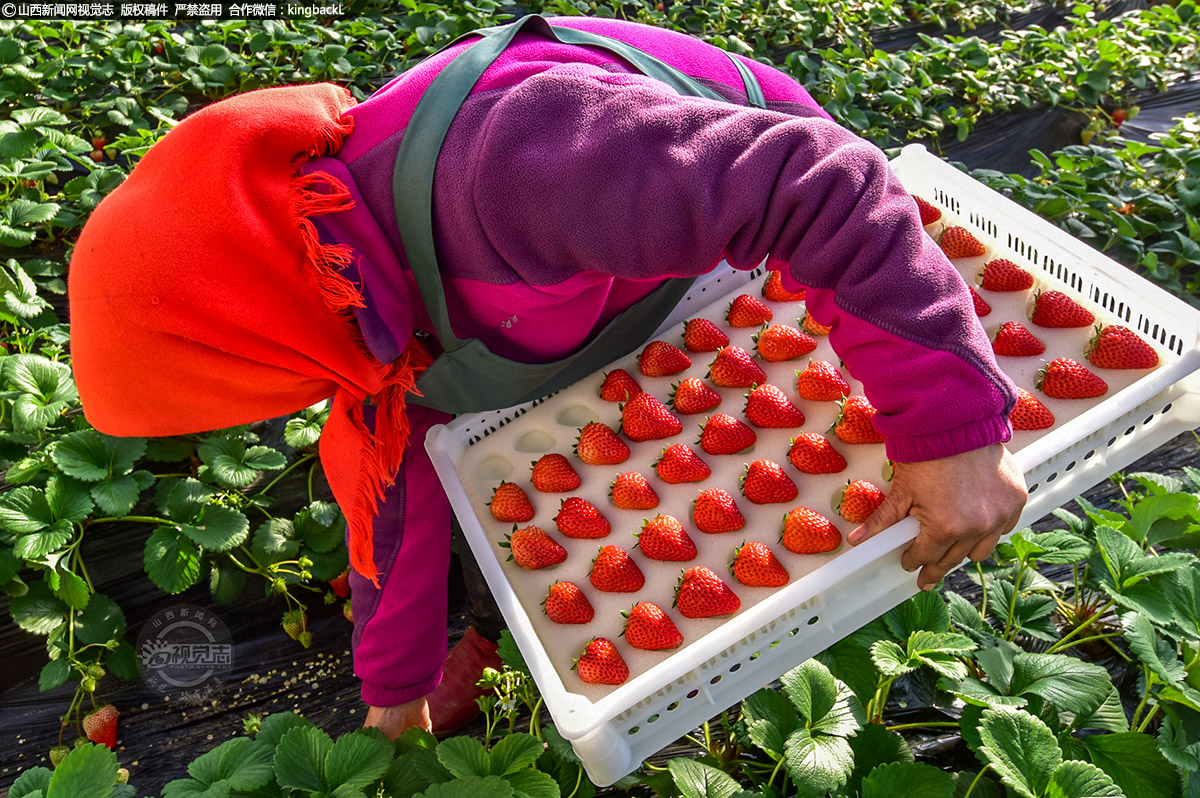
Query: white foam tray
pixel 829 596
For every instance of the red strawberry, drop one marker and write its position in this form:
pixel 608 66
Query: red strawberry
pixel 1067 379
pixel 806 531
pixel 566 603
pixel 821 382
pixel 614 571
pixel 601 663
pixel 661 359
pixel 693 396
pixel 631 491
pixel 340 584
pixel 579 518
pixel 780 342
pixel 982 308
pixel 747 311
pixel 812 326
pixel 597 444
pixel 714 511
pixel 769 408
pixel 724 434
pixel 554 474
pixel 664 538
pixel 1030 413
pixel 680 464
pixel 644 418
pixel 856 421
pixel 958 242
pixel 1001 274
pixel 766 483
pixel 733 367
pixel 1117 347
pixel 1015 340
pixel 755 565
pixel 858 500
pixel 100 725
pixel 773 290
pixel 1056 309
pixel 702 594
pixel 511 504
pixel 649 628
pixel 532 548
pixel 812 453
pixel 701 335
pixel 929 213
pixel 619 386
pixel 99 143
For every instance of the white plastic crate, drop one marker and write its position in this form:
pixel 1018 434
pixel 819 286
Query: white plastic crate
pixel 614 729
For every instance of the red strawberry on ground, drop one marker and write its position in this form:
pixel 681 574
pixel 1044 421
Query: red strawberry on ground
pixel 100 725
pixel 733 367
pixel 773 290
pixel 1065 378
pixel 533 549
pixel 601 663
pixel 340 584
pixel 511 504
pixel 1030 413
pixel 619 386
pixel 755 565
pixel 982 308
pixel 1001 274
pixel 724 434
pixel 929 212
pixel 1056 309
pixel 664 538
pixel 747 311
pixel 856 421
pixel 959 242
pixel 614 571
pixel 812 326
pixel 1014 339
pixel 858 500
pixel 806 531
pixel 1117 347
pixel 693 396
pixel 769 408
pixel 597 444
pixel 566 603
pixel 821 382
pixel 812 453
pixel 701 335
pixel 780 342
pixel 579 518
pixel 714 511
pixel 766 483
pixel 649 628
pixel 661 359
pixel 631 491
pixel 553 473
pixel 702 594
pixel 644 418
pixel 679 464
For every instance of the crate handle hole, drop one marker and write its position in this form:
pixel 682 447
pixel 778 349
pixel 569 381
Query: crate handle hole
pixel 652 718
pixel 715 679
pixel 1052 477
pixel 1070 465
pixel 671 707
pixel 634 730
pixel 737 667
pixel 814 619
pixel 1032 489
pixel 693 694
pixel 794 632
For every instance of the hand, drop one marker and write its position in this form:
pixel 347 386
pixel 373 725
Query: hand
pixel 394 721
pixel 964 504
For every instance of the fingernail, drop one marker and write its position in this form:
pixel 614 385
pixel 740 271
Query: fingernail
pixel 855 536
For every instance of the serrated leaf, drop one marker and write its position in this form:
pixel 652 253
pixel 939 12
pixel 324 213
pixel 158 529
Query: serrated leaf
pixel 319 532
pixel 100 621
pixel 264 458
pixel 513 752
pixel 907 780
pixel 357 759
pixel 891 660
pixel 117 496
pixel 1155 653
pixel 818 763
pixel 122 661
pixel 72 589
pixel 770 718
pixel 68 499
pixel 218 528
pixel 20 212
pixel 274 541
pixel 33 783
pixel 965 617
pixel 300 757
pixel 1147 511
pixel 1020 748
pixel 1109 716
pixel 1075 779
pixel 1179 738
pixel 54 673
pixel 697 780
pixel 1134 763
pixel 1060 547
pixel 186 499
pixel 225 582
pixel 531 783
pixel 873 746
pixel 89 771
pixel 402 779
pixel 172 561
pixel 464 756
pixel 510 653
pixel 472 787
pixel 926 611
pixel 980 693
pixel 24 510
pixel 38 544
pixel 277 724
pixel 1066 682
pixel 38 611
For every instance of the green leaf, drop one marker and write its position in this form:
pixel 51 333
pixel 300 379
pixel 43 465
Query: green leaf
pixel 965 617
pixel 218 528
pixel 33 783
pixel 39 544
pixel 1179 738
pixel 770 718
pixel 122 661
pixel 38 611
pixel 101 621
pixel 24 510
pixel 275 540
pixel 907 780
pixel 54 673
pixel 185 499
pixel 873 746
pixel 817 762
pixel 300 758
pixel 464 756
pixel 89 771
pixel 1075 779
pixel 72 589
pixel 891 660
pixel 83 455
pixel 697 780
pixel 850 661
pixel 358 759
pixel 530 783
pixel 1155 653
pixel 1020 748
pixel 1109 716
pixel 226 581
pixel 1133 761
pixel 472 787
pixel 320 529
pixel 925 611
pixel 68 499
pixel 1059 547
pixel 236 466
pixel 276 725
pixel 241 763
pixel 513 752
pixel 172 560
pixel 1066 682
pixel 402 779
pixel 941 652
pixel 510 654
pixel 828 704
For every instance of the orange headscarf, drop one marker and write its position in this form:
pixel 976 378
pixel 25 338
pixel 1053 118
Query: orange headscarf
pixel 200 297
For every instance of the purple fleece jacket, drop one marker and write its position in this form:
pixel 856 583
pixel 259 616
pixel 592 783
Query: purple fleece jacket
pixel 568 188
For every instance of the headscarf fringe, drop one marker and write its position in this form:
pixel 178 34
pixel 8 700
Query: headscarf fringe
pixel 317 194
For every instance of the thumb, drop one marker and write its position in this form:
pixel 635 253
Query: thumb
pixel 894 509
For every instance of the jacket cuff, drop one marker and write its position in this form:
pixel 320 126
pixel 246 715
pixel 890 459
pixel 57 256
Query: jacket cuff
pixel 375 694
pixel 936 445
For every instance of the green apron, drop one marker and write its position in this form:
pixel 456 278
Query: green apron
pixel 466 377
